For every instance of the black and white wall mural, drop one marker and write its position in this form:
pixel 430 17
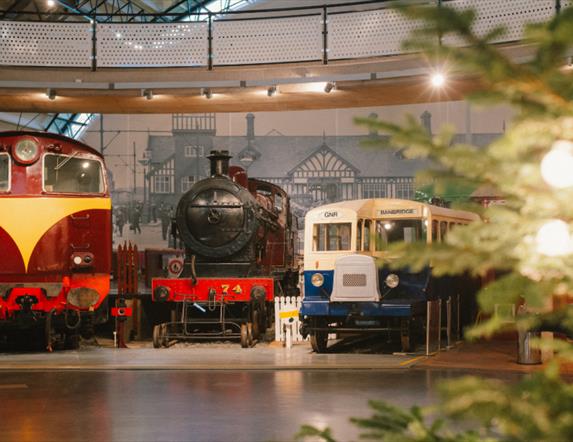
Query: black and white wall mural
pixel 154 160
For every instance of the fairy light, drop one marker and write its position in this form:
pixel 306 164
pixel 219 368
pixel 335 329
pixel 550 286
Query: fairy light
pixel 557 165
pixel 554 239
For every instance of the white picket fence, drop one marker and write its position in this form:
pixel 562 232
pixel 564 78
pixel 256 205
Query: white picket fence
pixel 287 324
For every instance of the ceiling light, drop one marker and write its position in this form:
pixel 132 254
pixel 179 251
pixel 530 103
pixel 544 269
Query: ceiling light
pixel 272 91
pixel 438 79
pixel 51 94
pixel 206 92
pixel 329 86
pixel 51 3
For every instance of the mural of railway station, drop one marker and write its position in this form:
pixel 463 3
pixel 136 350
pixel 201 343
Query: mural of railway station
pixel 314 169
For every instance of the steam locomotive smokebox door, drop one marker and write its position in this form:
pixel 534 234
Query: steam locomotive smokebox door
pixel 216 218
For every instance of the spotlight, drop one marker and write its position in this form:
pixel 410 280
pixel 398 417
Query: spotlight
pixel 272 91
pixel 51 3
pixel 557 165
pixel 148 94
pixel 51 94
pixel 329 86
pixel 438 79
pixel 206 92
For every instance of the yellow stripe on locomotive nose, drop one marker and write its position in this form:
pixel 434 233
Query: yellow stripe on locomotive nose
pixel 27 219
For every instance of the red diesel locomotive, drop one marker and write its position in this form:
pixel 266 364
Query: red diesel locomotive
pixel 239 253
pixel 55 236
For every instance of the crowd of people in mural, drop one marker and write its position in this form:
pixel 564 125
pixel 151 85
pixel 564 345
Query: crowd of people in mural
pixel 132 216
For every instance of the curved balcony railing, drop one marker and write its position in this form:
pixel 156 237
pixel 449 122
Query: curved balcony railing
pixel 324 34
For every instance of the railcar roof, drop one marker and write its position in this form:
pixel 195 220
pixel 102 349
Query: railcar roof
pixel 367 205
pixel 17 133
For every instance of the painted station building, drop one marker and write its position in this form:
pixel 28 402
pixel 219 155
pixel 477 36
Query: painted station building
pixel 314 170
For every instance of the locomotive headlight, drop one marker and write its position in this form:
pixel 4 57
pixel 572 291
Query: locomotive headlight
pixel 392 280
pixel 83 297
pixel 26 151
pixel 317 279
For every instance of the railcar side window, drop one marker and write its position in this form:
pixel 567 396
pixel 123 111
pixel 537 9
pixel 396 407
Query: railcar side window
pixel 331 237
pixel 4 172
pixel 443 229
pixel 435 231
pixel 359 235
pixel 71 174
pixel 366 247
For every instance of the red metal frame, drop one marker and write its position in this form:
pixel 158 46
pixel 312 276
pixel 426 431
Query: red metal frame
pixel 227 289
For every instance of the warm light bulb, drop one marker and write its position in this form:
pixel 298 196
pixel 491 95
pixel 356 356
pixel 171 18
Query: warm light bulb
pixel 553 239
pixel 438 79
pixel 557 165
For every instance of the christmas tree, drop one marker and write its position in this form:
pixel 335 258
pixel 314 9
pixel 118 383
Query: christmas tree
pixel 527 241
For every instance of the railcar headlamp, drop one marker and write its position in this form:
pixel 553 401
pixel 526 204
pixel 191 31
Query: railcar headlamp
pixel 26 151
pixel 317 280
pixel 392 280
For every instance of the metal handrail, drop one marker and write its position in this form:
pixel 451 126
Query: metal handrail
pixel 212 17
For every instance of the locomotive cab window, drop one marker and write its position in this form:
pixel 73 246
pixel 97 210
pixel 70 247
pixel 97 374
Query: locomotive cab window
pixel 331 237
pixel 4 172
pixel 72 174
pixel 278 202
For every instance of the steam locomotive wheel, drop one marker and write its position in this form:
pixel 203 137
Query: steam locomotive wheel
pixel 164 338
pixel 157 339
pixel 256 324
pixel 250 331
pixel 246 335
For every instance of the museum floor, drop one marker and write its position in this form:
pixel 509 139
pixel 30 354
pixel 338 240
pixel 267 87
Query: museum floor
pixel 218 392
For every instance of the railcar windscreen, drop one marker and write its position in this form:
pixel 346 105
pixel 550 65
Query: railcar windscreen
pixel 4 172
pixel 331 237
pixel 72 174
pixel 404 230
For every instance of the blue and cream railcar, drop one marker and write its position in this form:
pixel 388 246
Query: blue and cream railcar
pixel 347 287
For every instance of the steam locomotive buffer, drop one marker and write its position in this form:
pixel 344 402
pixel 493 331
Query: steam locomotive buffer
pixel 239 252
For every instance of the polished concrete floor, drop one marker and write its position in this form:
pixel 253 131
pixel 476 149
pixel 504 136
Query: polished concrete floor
pixel 219 392
pixel 217 356
pixel 203 405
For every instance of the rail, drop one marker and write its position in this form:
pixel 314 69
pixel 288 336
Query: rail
pixel 245 37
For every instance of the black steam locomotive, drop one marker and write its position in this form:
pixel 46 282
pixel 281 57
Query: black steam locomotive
pixel 239 252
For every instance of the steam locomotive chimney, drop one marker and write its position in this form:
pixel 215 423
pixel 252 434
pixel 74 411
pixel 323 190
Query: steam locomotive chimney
pixel 219 162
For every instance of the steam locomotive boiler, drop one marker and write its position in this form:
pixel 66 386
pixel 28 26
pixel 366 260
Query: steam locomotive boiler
pixel 239 252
